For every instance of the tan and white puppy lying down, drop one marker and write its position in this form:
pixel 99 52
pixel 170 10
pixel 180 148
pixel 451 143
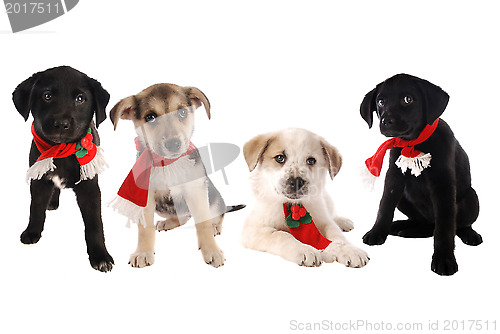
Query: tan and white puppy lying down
pixel 288 171
pixel 169 177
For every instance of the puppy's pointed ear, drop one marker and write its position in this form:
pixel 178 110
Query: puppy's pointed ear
pixel 332 156
pixel 435 100
pixel 123 109
pixel 101 99
pixel 368 106
pixel 255 148
pixel 198 98
pixel 22 96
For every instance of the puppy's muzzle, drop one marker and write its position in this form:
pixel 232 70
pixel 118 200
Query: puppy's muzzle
pixel 295 187
pixel 173 145
pixel 392 127
pixel 387 121
pixel 62 124
pixel 294 184
pixel 60 130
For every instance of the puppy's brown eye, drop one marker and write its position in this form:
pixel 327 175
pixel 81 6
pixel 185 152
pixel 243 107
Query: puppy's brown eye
pixel 311 161
pixel 407 99
pixel 380 102
pixel 151 117
pixel 280 158
pixel 47 96
pixel 80 99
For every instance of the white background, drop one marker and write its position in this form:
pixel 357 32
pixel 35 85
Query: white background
pixel 264 65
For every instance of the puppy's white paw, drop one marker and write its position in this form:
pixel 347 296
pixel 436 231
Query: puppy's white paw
pixel 141 259
pixel 213 256
pixel 345 224
pixel 167 224
pixel 308 256
pixel 348 255
pixel 217 228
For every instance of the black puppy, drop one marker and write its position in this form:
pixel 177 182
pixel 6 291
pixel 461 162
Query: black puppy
pixel 436 193
pixel 64 152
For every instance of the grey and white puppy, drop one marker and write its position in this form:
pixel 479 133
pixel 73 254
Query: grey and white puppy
pixel 163 116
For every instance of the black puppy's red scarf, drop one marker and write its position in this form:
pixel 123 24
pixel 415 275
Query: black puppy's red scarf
pixel 87 153
pixel 410 158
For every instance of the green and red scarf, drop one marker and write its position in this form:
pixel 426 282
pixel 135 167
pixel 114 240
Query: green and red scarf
pixel 89 157
pixel 302 227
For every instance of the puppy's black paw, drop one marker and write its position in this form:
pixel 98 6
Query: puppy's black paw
pixel 444 265
pixel 103 262
pixel 53 205
pixel 28 237
pixel 373 237
pixel 469 236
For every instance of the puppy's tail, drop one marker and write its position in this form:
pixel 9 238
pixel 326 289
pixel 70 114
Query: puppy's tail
pixel 231 208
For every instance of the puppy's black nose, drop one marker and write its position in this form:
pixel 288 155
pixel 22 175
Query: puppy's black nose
pixel 295 183
pixel 173 145
pixel 62 124
pixel 387 121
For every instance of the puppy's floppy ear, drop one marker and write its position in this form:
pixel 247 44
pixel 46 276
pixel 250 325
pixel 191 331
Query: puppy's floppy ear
pixel 255 148
pixel 198 98
pixel 22 96
pixel 101 99
pixel 435 100
pixel 368 106
pixel 332 156
pixel 123 110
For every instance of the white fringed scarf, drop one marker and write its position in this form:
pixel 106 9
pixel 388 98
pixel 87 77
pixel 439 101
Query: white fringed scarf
pixel 89 157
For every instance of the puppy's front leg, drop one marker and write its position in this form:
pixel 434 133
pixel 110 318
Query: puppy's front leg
pixel 281 243
pixel 393 190
pixel 54 199
pixel 41 192
pixel 340 249
pixel 88 196
pixel 196 196
pixel 443 193
pixel 144 254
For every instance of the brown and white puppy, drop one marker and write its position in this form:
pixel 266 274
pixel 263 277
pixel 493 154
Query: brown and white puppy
pixel 163 116
pixel 290 166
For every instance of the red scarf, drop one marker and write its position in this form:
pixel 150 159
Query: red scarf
pixel 87 154
pixel 136 185
pixel 374 164
pixel 133 194
pixel 302 227
pixel 85 150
